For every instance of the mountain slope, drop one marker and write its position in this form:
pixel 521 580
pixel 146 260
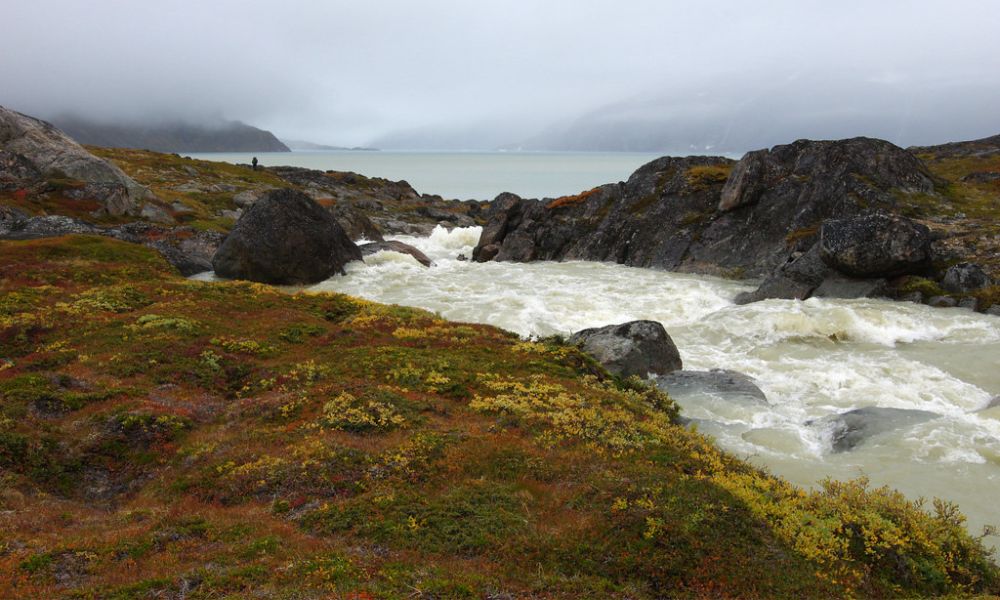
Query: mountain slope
pixel 224 136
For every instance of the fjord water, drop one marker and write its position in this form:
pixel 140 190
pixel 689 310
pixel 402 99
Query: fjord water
pixel 812 359
pixel 466 175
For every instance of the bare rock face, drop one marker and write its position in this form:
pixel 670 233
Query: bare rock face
pixel 31 149
pixel 875 245
pixel 285 238
pixel 822 172
pixel 710 214
pixel 633 348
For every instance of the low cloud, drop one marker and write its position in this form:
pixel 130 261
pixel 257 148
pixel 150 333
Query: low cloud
pixel 460 74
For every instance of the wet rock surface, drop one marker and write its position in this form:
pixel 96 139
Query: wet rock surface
pixel 855 427
pixel 722 382
pixel 634 348
pixel 396 246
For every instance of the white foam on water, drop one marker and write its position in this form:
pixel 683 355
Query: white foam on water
pixel 812 359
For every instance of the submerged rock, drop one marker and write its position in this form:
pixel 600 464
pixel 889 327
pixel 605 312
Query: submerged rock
pixel 875 245
pixel 285 238
pixel 395 246
pixel 854 427
pixel 633 348
pixel 726 383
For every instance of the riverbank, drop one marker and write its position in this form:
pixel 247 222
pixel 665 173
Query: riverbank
pixel 161 435
pixel 814 361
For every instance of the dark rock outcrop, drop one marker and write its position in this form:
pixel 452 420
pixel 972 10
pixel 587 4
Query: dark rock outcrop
pixel 33 153
pixel 285 238
pixel 854 427
pixel 794 280
pixel 633 348
pixel 709 214
pixel 395 246
pixel 189 250
pixel 965 277
pixel 392 207
pixel 875 245
pixel 722 382
pixel 10 219
pixel 355 223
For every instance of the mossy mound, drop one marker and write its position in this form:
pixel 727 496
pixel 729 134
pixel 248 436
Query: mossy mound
pixel 165 437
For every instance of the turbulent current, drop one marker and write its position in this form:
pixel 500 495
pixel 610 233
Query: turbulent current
pixel 812 359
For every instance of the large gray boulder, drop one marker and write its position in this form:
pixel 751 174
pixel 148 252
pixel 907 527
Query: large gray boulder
pixel 31 149
pixel 633 348
pixel 285 238
pixel 876 244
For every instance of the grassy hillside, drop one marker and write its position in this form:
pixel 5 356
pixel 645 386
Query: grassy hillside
pixel 161 437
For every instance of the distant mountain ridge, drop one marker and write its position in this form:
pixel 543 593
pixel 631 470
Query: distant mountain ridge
pixel 225 136
pixel 304 145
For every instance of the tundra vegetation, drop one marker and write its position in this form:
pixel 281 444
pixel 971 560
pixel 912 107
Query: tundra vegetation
pixel 162 437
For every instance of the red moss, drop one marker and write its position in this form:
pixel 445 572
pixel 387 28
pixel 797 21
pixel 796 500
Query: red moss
pixel 572 200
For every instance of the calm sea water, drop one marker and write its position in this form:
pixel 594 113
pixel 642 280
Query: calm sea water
pixel 467 175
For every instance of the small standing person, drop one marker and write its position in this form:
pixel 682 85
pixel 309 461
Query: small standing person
pixel 254 163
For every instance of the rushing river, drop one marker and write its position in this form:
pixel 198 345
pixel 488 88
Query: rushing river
pixel 812 359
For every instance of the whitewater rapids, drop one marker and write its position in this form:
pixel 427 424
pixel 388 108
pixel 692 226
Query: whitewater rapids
pixel 812 359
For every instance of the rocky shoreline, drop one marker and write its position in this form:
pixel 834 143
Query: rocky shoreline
pixel 847 218
pixel 809 218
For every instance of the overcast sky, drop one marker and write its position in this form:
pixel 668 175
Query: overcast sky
pixel 354 72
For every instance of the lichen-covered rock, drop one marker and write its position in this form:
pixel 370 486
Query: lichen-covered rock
pixel 33 148
pixel 633 348
pixel 285 238
pixel 875 245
